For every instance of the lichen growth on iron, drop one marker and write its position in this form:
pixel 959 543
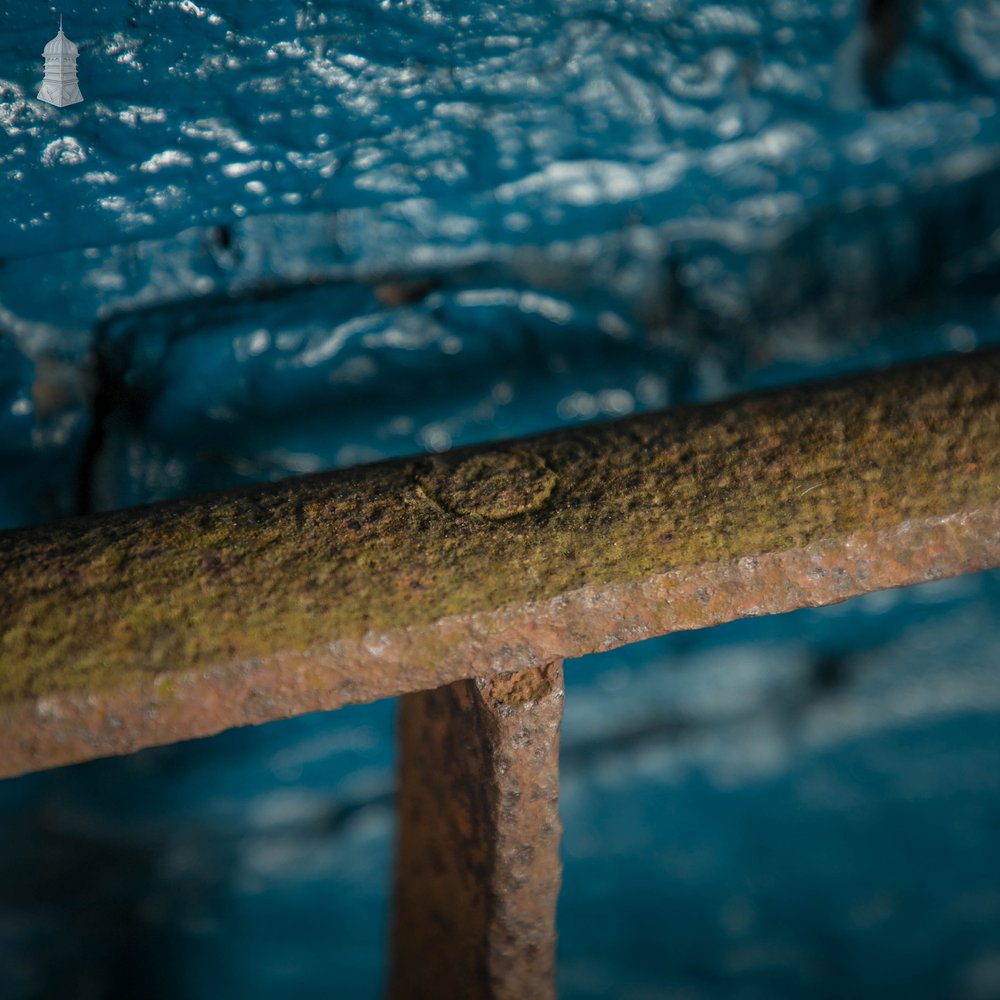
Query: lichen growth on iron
pixel 95 603
pixel 496 484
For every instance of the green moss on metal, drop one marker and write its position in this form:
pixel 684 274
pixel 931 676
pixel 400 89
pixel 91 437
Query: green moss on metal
pixel 93 603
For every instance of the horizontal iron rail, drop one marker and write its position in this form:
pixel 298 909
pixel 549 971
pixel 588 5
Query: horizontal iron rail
pixel 181 619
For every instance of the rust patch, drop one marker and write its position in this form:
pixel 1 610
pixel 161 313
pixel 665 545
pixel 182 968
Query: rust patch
pixel 518 689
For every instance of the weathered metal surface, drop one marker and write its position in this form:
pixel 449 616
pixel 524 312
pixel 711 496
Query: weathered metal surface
pixel 478 869
pixel 181 619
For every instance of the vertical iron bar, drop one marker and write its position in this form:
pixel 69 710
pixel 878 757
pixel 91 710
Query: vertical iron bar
pixel 478 867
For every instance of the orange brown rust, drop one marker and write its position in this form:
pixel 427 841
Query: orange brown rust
pixel 177 620
pixel 478 868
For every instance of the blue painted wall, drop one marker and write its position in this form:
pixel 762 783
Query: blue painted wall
pixel 285 237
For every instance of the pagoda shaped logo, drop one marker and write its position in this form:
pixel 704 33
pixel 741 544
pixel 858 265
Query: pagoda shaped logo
pixel 60 86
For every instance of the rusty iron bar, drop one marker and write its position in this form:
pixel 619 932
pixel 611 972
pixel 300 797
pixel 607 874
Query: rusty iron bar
pixel 477 869
pixel 181 619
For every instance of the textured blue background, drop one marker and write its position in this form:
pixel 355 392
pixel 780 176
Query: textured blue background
pixel 299 235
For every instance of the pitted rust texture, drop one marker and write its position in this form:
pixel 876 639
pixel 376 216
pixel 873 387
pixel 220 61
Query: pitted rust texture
pixel 181 619
pixel 478 868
